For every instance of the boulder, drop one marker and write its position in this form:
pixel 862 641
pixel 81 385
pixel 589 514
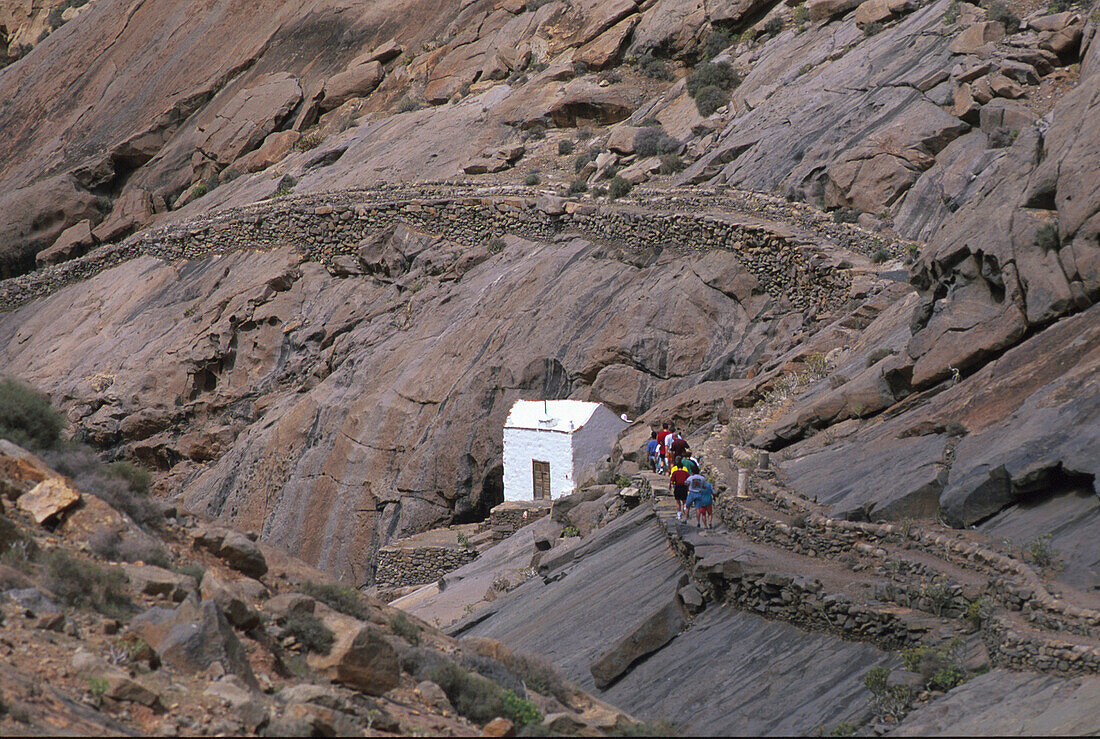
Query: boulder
pixel 242 554
pixel 157 581
pixel 606 50
pixel 284 604
pixel 621 140
pixel 1053 22
pixel 384 52
pixel 823 9
pixel 1002 113
pixel 49 498
pixel 131 211
pixel 233 602
pixel 361 657
pixel 651 634
pixel 1004 87
pixel 276 146
pixel 976 37
pixel 590 106
pixel 72 243
pixel 357 81
pixel 587 516
pixel 675 27
pixel 248 118
pixel 604 16
pixel 193 637
pixel 964 106
pixel 20 470
pixel 499 727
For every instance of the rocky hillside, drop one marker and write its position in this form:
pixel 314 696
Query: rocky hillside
pixel 177 626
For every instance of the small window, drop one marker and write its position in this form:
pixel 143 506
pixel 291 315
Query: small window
pixel 540 473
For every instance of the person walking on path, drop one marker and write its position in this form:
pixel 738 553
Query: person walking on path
pixel 662 438
pixel 677 446
pixel 704 505
pixel 651 452
pixel 677 484
pixel 692 465
pixel 695 484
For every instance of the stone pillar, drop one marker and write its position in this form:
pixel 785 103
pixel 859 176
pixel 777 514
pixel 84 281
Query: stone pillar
pixel 742 483
pixel 763 460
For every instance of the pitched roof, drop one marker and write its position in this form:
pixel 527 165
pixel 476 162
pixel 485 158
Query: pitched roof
pixel 533 414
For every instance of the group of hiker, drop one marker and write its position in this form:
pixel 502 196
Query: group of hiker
pixel 668 452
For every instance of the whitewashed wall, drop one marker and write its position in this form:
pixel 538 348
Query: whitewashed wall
pixel 592 443
pixel 521 446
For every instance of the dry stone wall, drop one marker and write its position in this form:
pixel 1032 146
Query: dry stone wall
pixel 399 567
pixel 788 264
pixel 510 516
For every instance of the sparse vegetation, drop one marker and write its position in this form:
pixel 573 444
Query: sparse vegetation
pixel 618 187
pixel 611 77
pixel 890 701
pixel 940 597
pixel 938 666
pixel 580 69
pixel 407 105
pixel 27 418
pixel 846 215
pixel 576 187
pixel 1039 552
pixel 801 14
pixel 652 140
pixel 482 700
pixel 872 29
pixel 565 146
pixel 339 598
pixel 309 141
pixel 951 15
pixel 709 86
pixel 747 36
pixel 406 629
pixel 79 583
pixel 532 179
pixel 582 160
pixel 496 246
pixel 773 26
pixel 310 632
pixel 670 164
pixel 977 612
pixel 880 255
pixel 652 67
pixel 1046 237
pixel 717 42
pixel 570 531
pixel 1000 12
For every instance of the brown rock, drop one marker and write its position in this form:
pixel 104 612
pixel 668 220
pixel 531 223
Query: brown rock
pixel 273 149
pixel 607 49
pixel 965 107
pixel 976 37
pixel 822 9
pixel 499 727
pixel 1004 87
pixel 1007 114
pixel 20 470
pixel 131 211
pixel 156 581
pixel 1053 22
pixel 358 81
pixel 72 243
pixel 384 52
pixel 249 117
pixel 621 140
pixel 49 498
pixel 242 554
pixel 606 15
pixel 360 658
pixel 236 606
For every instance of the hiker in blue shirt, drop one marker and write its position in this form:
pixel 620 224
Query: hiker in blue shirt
pixel 705 506
pixel 652 450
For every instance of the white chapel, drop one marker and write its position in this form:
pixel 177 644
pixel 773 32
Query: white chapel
pixel 550 446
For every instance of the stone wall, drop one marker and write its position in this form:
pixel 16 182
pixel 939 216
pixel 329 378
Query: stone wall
pixel 510 516
pixel 400 566
pixel 789 264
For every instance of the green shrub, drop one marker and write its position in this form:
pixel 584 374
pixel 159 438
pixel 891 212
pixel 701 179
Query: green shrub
pixel 940 597
pixel 1046 237
pixel 875 679
pixel 406 105
pixel 747 36
pixel 1039 551
pixel 310 632
pixel 521 711
pixel 801 14
pixel 709 99
pixel 565 147
pixel 999 12
pixel 406 629
pixel 651 66
pixel 532 179
pixel 951 15
pixel 576 187
pixel 712 74
pixel 570 531
pixel 27 418
pixel 717 42
pixel 671 164
pixel 880 255
pixel 946 678
pixel 582 160
pixel 309 141
pixel 872 28
pixel 482 700
pixel 617 187
pixel 652 140
pixel 79 583
pixel 774 26
pixel 846 215
pixel 138 478
pixel 977 611
pixel 339 598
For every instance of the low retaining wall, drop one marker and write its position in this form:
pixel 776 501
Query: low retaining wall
pixel 399 566
pixel 510 516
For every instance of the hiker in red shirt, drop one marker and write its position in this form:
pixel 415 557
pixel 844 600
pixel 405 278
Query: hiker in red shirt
pixel 677 485
pixel 677 446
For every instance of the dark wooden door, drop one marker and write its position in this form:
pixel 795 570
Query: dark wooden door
pixel 540 471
